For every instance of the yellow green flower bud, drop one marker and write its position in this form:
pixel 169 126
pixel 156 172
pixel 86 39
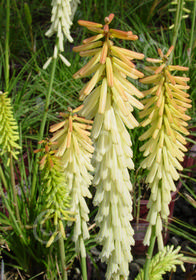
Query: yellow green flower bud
pixel 8 128
pixel 55 191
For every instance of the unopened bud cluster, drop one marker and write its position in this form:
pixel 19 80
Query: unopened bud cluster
pixel 54 191
pixel 8 128
pixel 164 111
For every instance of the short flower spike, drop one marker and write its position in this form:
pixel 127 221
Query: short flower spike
pixel 62 14
pixel 165 109
pixel 8 128
pixel 74 148
pixel 109 99
pixel 55 191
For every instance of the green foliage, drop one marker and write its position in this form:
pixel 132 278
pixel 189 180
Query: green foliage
pixel 162 262
pixel 28 14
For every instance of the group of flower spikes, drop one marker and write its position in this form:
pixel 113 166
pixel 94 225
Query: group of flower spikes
pixel 109 99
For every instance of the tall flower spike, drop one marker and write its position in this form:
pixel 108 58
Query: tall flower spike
pixel 74 148
pixel 55 191
pixel 164 110
pixel 109 99
pixel 62 14
pixel 8 128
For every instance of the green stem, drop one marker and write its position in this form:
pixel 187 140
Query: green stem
pixel 138 207
pixel 62 257
pixel 192 31
pixel 83 260
pixel 42 127
pixel 14 189
pixel 105 8
pixel 177 24
pixel 2 176
pixel 7 88
pixel 7 46
pixel 83 267
pixel 149 253
pixel 80 243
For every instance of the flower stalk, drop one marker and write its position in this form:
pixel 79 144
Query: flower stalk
pixel 62 14
pixel 84 268
pixel 42 128
pixel 8 141
pixel 149 254
pixel 109 100
pixel 177 24
pixel 57 200
pixel 14 190
pixel 61 22
pixel 192 31
pixel 4 102
pixel 74 148
pixel 2 176
pixel 62 257
pixel 7 66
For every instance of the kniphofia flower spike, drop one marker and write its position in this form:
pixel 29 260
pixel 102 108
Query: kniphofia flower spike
pixel 8 128
pixel 62 14
pixel 54 191
pixel 165 109
pixel 74 148
pixel 109 98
